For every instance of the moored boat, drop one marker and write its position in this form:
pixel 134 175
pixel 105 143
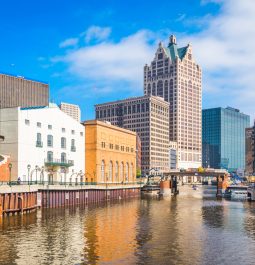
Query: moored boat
pixel 238 192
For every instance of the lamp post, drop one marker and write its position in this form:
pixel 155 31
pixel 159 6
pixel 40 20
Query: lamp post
pixel 36 169
pixel 28 172
pixel 42 175
pixel 10 173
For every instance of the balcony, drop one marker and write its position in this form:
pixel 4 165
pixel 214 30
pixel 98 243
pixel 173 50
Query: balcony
pixel 39 144
pixel 73 149
pixel 58 162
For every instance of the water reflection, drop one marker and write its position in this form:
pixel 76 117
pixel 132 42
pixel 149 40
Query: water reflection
pixel 192 228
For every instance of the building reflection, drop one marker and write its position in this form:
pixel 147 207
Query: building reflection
pixel 110 232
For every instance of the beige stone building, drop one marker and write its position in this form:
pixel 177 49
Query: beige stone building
pixel 175 76
pixel 148 116
pixel 21 92
pixel 110 153
pixel 71 110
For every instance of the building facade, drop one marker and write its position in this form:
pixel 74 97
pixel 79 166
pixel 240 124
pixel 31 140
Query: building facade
pixel 148 116
pixel 110 153
pixel 43 144
pixel 71 110
pixel 173 154
pixel 18 91
pixel 175 76
pixel 224 138
pixel 250 150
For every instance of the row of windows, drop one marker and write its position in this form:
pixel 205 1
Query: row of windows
pixel 39 125
pixel 50 142
pixel 117 147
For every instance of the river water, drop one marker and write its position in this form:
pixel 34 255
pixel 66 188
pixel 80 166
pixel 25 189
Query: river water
pixel 192 228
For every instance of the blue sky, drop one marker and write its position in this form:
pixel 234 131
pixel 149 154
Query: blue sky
pixel 94 51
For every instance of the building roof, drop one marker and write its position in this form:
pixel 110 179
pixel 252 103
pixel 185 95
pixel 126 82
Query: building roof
pixel 25 78
pixel 108 125
pixel 173 51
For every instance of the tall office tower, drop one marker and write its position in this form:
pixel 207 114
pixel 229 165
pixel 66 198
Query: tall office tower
pixel 71 110
pixel 250 150
pixel 18 91
pixel 224 138
pixel 175 76
pixel 149 117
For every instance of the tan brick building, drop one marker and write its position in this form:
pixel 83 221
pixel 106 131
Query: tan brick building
pixel 110 153
pixel 21 92
pixel 175 76
pixel 148 116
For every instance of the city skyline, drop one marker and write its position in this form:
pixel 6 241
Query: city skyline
pixel 86 62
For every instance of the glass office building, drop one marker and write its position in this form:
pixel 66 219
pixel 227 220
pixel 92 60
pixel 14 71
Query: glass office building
pixel 223 138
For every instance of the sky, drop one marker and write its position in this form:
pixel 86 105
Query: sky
pixel 92 52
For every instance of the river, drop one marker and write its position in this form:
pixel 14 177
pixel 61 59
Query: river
pixel 191 228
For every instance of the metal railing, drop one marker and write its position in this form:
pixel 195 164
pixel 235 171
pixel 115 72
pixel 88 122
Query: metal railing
pixel 59 162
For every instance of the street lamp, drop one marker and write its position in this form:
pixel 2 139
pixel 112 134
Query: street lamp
pixel 10 173
pixel 42 175
pixel 36 169
pixel 28 172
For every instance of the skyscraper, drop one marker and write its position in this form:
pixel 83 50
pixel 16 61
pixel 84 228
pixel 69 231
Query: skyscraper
pixel 71 110
pixel 224 138
pixel 174 75
pixel 148 116
pixel 250 150
pixel 16 91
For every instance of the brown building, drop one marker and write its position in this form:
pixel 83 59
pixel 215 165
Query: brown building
pixel 21 92
pixel 148 116
pixel 250 150
pixel 110 153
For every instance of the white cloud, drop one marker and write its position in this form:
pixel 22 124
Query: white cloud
pixel 112 61
pixel 68 42
pixel 225 49
pixel 97 33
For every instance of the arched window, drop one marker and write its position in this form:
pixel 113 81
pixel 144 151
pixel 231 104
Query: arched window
pixel 121 171
pixel 49 156
pixel 63 142
pixel 110 171
pixel 160 88
pixel 153 89
pixel 149 89
pixel 166 91
pixel 102 170
pixel 131 172
pixel 126 172
pixel 63 157
pixel 116 172
pixel 50 140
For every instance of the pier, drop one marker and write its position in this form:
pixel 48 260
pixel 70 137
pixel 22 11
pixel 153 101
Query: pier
pixel 19 199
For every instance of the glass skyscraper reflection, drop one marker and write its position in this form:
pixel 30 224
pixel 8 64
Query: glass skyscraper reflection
pixel 223 138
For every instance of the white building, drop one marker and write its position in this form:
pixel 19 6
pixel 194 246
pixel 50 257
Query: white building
pixel 44 143
pixel 71 110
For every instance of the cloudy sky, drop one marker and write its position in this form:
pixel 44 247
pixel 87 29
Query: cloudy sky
pixel 94 51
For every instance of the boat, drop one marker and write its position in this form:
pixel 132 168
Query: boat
pixel 152 190
pixel 238 192
pixel 194 187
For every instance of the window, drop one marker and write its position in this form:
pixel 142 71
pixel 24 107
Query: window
pixel 50 140
pixel 50 127
pixel 102 170
pixel 126 172
pixel 81 133
pixel 131 171
pixel 63 130
pixel 63 157
pixel 116 171
pixel 121 171
pixel 38 140
pixel 38 124
pixel 63 142
pixel 27 122
pixel 111 146
pixel 73 131
pixel 50 156
pixel 73 148
pixel 110 171
pixel 103 144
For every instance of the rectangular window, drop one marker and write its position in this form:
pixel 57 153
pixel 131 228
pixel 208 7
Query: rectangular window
pixel 27 122
pixel 63 130
pixel 39 125
pixel 81 133
pixel 50 127
pixel 73 131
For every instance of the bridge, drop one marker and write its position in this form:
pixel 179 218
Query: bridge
pixel 174 175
